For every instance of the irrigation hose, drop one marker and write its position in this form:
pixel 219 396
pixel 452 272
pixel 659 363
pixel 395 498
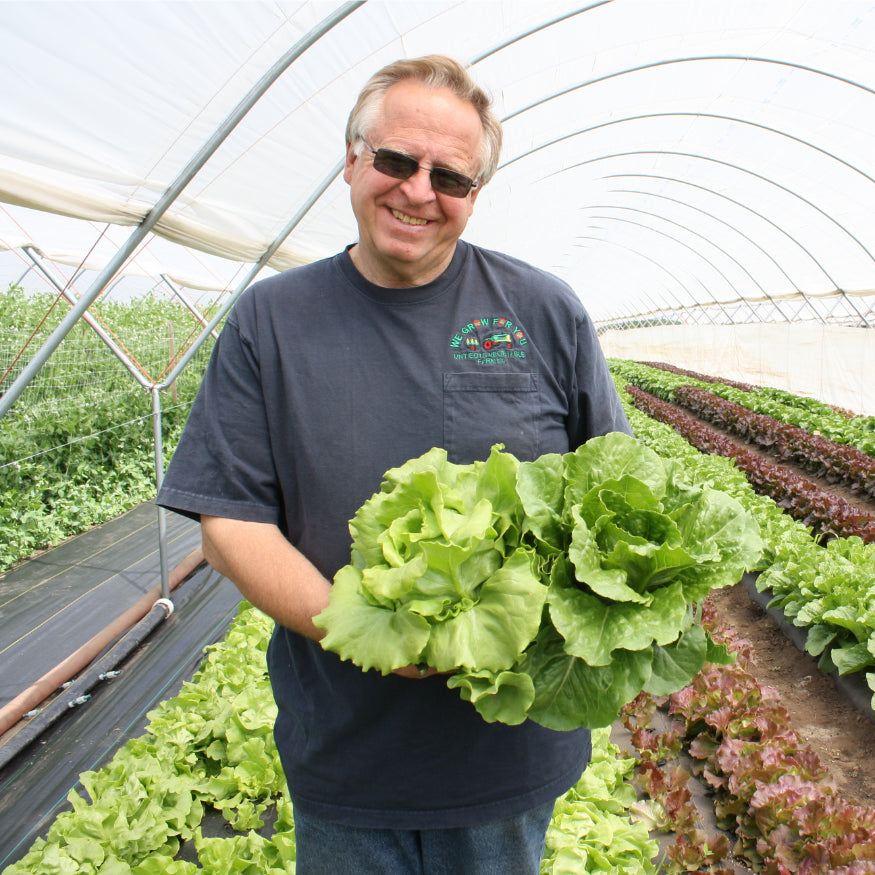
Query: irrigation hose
pixel 78 692
pixel 79 660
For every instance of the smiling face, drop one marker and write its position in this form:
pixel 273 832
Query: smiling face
pixel 408 232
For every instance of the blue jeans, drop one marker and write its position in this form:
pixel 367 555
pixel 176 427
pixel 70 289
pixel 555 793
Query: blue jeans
pixel 504 847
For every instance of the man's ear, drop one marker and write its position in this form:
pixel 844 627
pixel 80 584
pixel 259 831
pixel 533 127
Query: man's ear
pixel 351 158
pixel 474 198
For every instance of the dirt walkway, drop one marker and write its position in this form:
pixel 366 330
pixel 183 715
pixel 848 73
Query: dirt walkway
pixel 835 729
pixel 838 731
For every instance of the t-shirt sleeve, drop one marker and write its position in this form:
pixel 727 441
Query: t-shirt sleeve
pixel 598 409
pixel 223 465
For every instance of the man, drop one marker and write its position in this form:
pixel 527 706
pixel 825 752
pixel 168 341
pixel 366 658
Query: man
pixel 324 378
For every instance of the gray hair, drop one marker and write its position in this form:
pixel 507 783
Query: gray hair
pixel 433 71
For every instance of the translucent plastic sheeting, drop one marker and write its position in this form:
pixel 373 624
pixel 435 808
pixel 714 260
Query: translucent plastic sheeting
pixel 657 152
pixel 83 248
pixel 830 363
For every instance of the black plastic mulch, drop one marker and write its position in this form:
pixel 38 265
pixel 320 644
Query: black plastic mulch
pixel 53 604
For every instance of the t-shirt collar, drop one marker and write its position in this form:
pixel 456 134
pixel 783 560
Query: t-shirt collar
pixel 415 294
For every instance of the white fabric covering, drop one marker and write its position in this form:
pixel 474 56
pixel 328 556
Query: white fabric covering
pixel 830 363
pixel 658 153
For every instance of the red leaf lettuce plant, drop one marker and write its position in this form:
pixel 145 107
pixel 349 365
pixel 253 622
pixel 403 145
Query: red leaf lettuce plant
pixel 769 788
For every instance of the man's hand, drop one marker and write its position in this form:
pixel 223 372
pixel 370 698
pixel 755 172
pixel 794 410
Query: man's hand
pixel 416 671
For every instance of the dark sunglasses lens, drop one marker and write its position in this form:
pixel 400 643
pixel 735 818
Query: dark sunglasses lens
pixel 395 164
pixel 450 183
pixel 401 166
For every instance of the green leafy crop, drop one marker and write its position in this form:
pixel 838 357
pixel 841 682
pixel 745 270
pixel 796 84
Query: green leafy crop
pixel 554 590
pixel 439 574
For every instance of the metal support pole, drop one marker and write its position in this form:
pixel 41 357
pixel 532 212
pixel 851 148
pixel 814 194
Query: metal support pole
pixel 210 329
pixel 183 298
pixel 159 478
pixel 72 298
pixel 166 201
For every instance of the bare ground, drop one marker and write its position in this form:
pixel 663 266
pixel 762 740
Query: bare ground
pixel 840 734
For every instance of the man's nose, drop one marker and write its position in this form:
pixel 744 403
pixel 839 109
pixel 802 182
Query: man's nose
pixel 418 186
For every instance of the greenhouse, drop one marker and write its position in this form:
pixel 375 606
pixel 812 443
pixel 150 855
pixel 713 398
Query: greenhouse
pixel 699 175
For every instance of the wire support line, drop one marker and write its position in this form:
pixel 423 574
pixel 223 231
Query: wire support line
pixel 780 229
pixel 791 192
pixel 679 305
pixel 764 252
pixel 693 233
pixel 85 437
pixel 734 120
pixel 536 29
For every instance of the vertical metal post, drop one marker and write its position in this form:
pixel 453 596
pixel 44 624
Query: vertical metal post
pixel 159 477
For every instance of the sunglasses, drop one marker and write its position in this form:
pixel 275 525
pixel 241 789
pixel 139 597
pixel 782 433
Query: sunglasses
pixel 401 166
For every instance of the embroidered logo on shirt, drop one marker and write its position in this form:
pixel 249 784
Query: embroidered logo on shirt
pixel 489 340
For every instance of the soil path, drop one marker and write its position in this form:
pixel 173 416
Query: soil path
pixel 840 733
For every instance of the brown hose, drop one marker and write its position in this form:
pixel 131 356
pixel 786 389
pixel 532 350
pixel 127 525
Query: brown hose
pixel 40 690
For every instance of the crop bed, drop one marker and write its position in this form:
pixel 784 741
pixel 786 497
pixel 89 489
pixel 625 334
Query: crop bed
pixel 822 583
pixel 833 723
pixel 771 792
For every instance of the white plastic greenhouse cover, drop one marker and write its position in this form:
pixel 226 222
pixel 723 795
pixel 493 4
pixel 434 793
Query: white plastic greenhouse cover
pixel 662 156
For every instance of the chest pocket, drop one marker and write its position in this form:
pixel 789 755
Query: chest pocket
pixel 482 409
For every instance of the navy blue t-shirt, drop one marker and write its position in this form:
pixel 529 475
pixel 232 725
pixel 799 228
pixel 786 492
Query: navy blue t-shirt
pixel 319 383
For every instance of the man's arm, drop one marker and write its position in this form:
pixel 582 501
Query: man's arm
pixel 269 571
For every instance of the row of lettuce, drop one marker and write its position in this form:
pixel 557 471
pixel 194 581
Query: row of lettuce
pixel 208 757
pixel 792 457
pixel 772 794
pixel 810 414
pixel 824 585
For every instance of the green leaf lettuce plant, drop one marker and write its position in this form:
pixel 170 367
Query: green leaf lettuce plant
pixel 554 590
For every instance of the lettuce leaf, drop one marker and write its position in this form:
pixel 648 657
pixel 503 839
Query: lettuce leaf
pixel 570 693
pixel 503 697
pixel 593 628
pixel 540 487
pixel 372 636
pixel 494 631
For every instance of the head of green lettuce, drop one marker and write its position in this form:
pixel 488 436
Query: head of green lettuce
pixel 554 590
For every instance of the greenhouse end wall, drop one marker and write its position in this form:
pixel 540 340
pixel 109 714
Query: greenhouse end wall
pixel 831 363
